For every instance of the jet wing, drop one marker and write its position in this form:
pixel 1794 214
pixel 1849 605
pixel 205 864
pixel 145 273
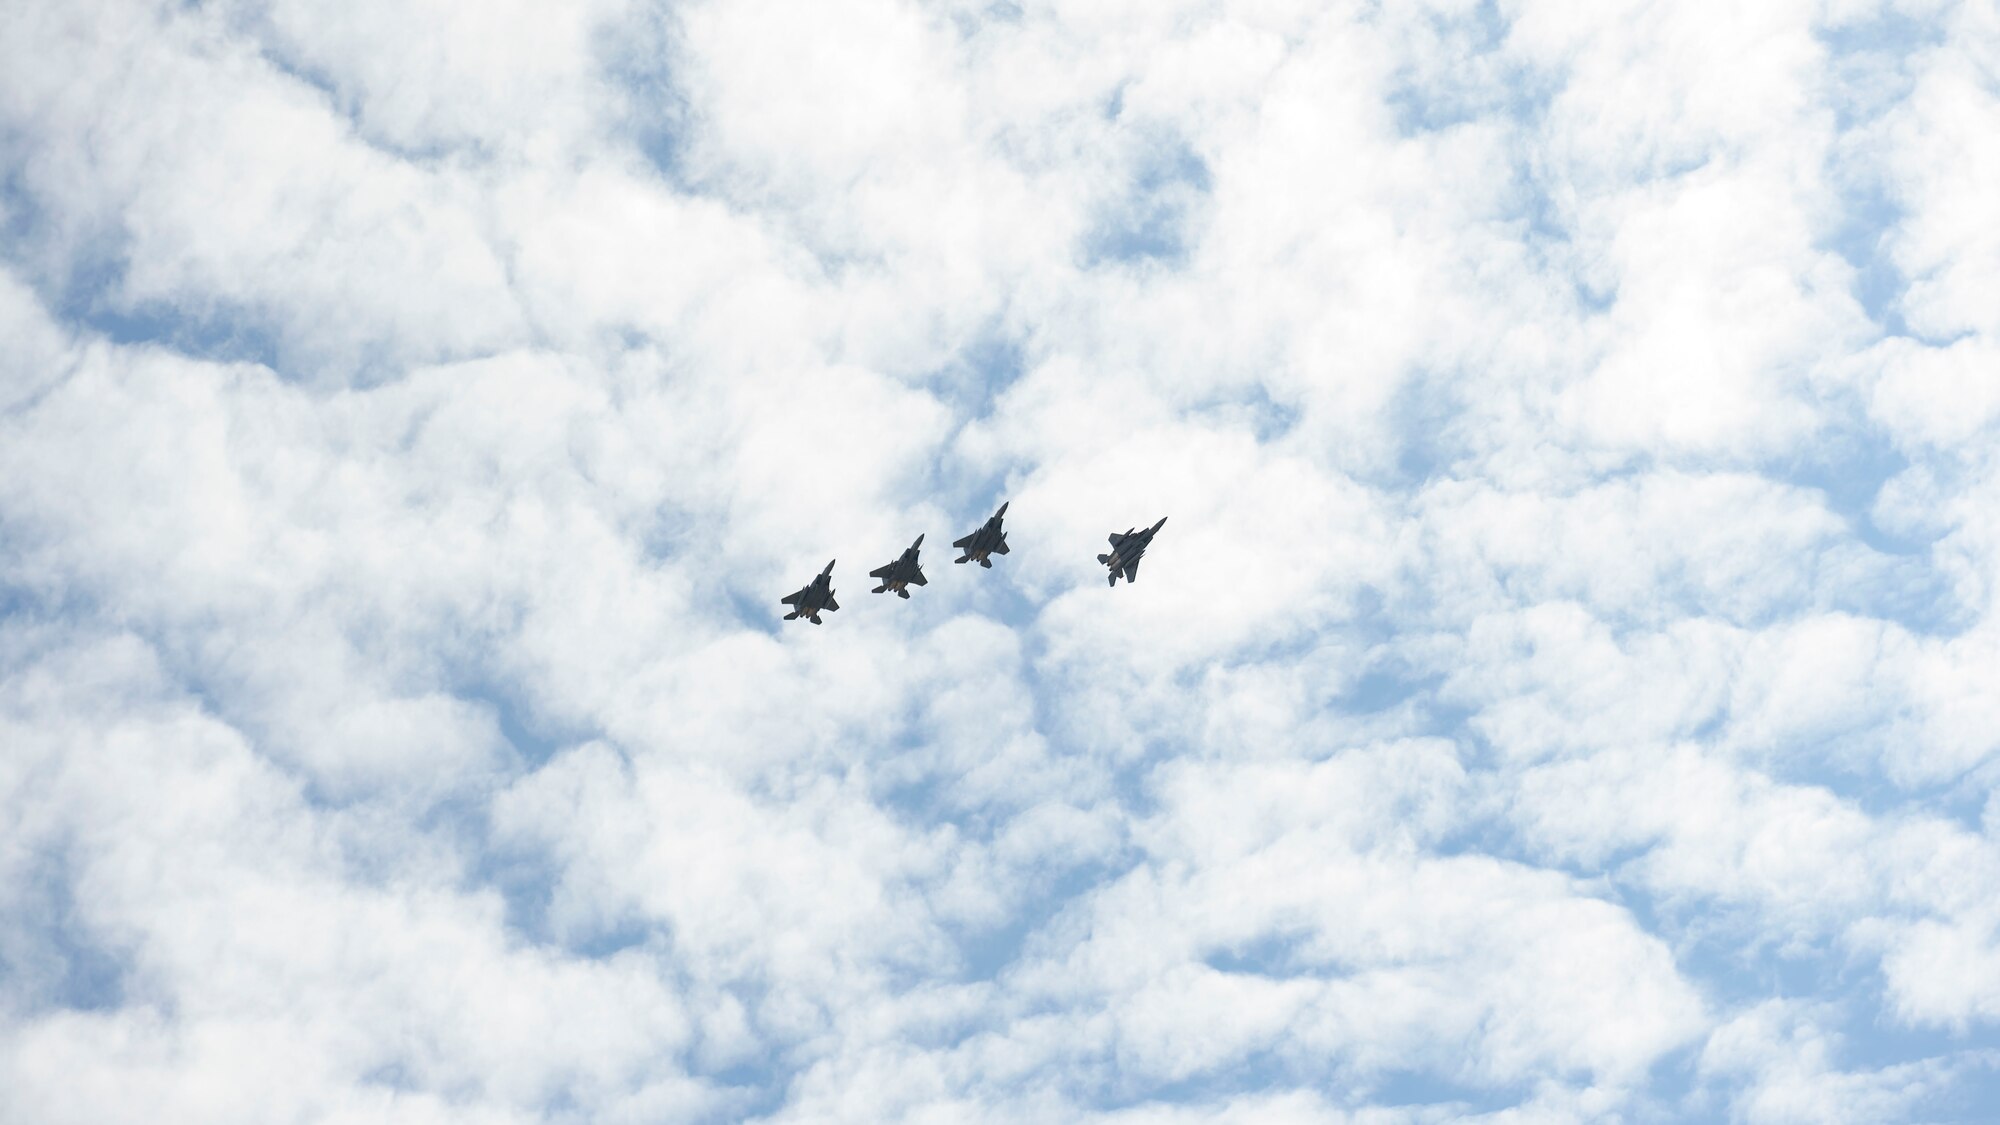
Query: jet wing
pixel 1132 571
pixel 882 571
pixel 831 605
pixel 790 599
pixel 1117 537
pixel 1001 549
pixel 919 579
pixel 961 543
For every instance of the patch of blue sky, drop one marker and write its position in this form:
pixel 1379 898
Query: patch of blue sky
pixel 979 373
pixel 1674 1085
pixel 751 1089
pixel 1734 954
pixel 1869 214
pixel 1389 685
pixel 530 883
pixel 986 952
pixel 1871 1037
pixel 922 789
pixel 998 594
pixel 1274 955
pixel 530 734
pixel 87 298
pixel 84 291
pixel 1480 83
pixel 236 336
pixel 15 602
pixel 392 1075
pixel 1868 61
pixel 676 532
pixel 1972 1091
pixel 1251 408
pixel 637 56
pixel 1848 466
pixel 49 955
pixel 1260 1072
pixel 1535 206
pixel 1391 682
pixel 1153 221
pixel 1418 1088
pixel 1732 949
pixel 1474 79
pixel 1279 1067
pixel 526 881
pixel 1425 412
pixel 1738 960
pixel 763 611
pixel 346 103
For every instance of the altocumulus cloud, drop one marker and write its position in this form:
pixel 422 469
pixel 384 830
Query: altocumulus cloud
pixel 1565 690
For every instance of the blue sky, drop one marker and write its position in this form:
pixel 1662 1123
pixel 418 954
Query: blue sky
pixel 1562 692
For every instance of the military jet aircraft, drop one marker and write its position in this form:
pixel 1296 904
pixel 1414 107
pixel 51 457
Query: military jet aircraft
pixel 817 596
pixel 988 540
pixel 902 573
pixel 1127 550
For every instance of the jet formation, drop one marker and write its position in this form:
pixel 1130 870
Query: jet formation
pixel 897 577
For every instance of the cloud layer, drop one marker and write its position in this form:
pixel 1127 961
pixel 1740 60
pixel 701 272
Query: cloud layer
pixel 1564 690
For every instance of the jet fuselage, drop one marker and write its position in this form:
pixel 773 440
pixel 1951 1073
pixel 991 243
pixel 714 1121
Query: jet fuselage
pixel 813 599
pixel 981 545
pixel 899 576
pixel 1127 550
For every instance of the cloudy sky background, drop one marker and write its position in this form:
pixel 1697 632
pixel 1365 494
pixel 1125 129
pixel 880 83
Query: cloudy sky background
pixel 1564 690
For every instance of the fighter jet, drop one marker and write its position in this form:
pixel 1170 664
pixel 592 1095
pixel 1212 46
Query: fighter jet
pixel 817 596
pixel 1127 550
pixel 988 540
pixel 902 573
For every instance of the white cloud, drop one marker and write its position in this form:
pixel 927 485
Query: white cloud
pixel 1785 1047
pixel 1560 692
pixel 1938 158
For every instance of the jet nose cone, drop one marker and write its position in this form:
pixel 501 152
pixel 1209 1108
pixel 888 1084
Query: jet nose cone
pixel 919 542
pixel 1161 524
pixel 1003 509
